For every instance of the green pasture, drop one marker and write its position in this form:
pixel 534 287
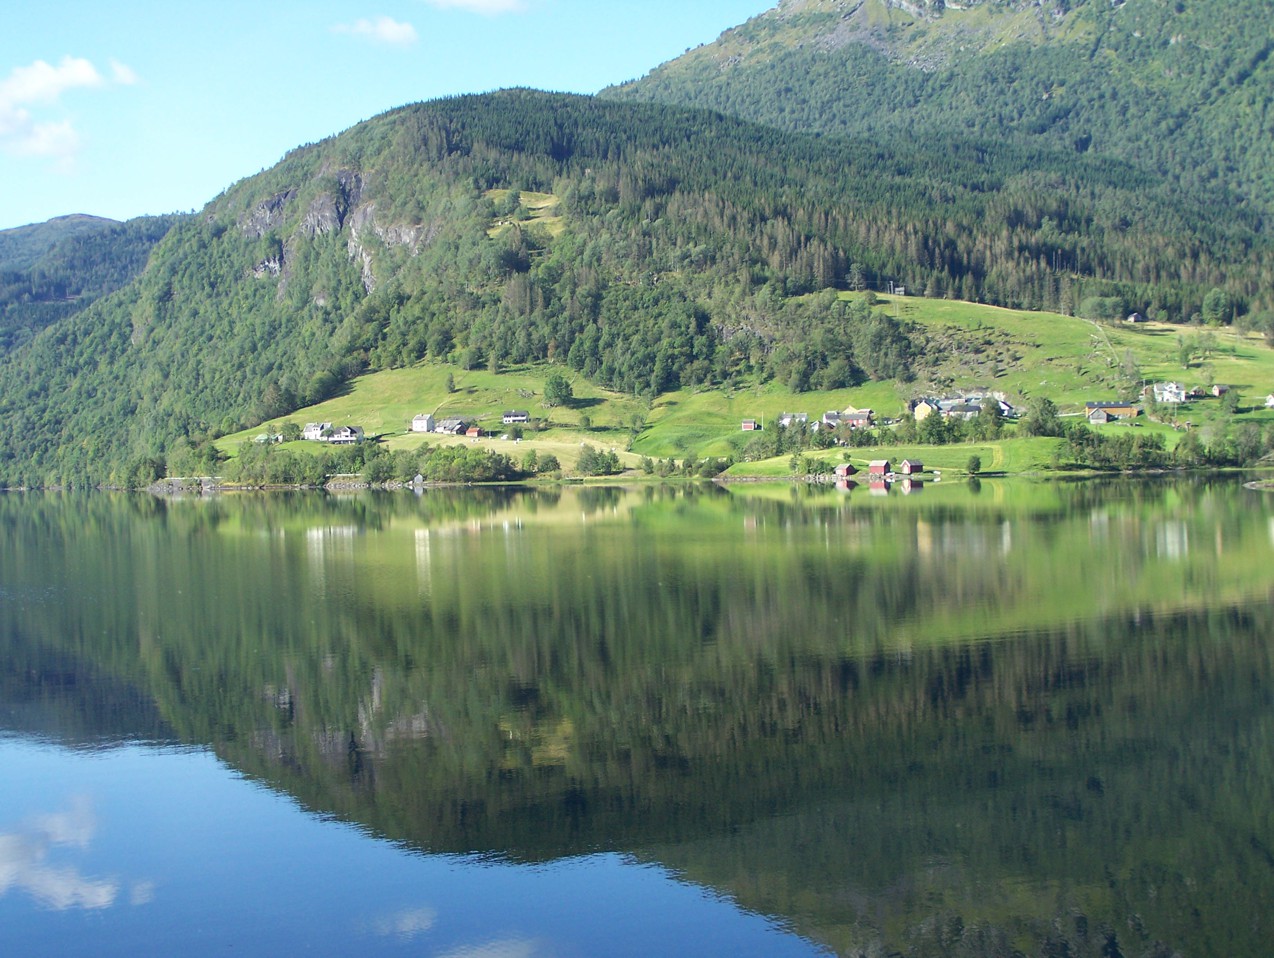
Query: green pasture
pixel 1023 354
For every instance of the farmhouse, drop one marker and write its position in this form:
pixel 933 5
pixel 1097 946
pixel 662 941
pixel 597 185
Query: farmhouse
pixel 963 410
pixel 512 416
pixel 316 431
pixel 924 408
pixel 789 419
pixel 345 435
pixel 1106 411
pixel 422 423
pixel 451 426
pixel 1169 392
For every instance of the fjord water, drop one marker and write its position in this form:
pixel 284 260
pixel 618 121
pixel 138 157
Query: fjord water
pixel 1024 718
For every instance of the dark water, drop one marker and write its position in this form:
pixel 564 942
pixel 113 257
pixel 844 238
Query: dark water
pixel 1035 719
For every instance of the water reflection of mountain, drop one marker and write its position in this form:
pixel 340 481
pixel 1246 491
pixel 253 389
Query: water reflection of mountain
pixel 824 713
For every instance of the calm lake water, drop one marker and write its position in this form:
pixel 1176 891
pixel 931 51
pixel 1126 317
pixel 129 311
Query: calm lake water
pixel 1015 719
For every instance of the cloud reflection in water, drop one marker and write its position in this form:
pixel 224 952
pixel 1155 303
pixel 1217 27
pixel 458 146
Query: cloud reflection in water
pixel 24 862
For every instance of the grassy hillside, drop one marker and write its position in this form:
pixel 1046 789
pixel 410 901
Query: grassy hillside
pixel 1070 361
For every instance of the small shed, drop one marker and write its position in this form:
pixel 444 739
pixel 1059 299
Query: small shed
pixel 751 425
pixel 473 432
pixel 844 470
pixel 911 467
pixel 879 467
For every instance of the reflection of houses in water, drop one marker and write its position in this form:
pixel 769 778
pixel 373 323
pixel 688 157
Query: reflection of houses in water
pixel 1172 539
pixel 961 540
pixel 423 579
pixel 878 487
pixel 911 486
pixel 323 543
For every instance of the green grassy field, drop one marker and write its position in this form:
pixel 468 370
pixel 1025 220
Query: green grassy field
pixel 1068 360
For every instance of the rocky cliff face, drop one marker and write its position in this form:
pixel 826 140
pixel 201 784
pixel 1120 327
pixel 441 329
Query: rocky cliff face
pixel 305 212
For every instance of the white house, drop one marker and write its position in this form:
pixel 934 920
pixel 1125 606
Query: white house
pixel 422 423
pixel 314 431
pixel 1169 392
pixel 345 435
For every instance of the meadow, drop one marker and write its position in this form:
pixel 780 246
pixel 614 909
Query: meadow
pixel 970 347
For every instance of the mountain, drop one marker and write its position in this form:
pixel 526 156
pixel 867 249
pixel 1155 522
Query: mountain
pixel 647 247
pixel 22 246
pixel 1180 89
pixel 52 270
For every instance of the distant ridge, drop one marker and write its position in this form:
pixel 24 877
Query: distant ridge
pixel 21 246
pixel 1184 90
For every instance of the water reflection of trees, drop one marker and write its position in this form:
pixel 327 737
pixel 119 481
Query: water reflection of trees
pixel 879 726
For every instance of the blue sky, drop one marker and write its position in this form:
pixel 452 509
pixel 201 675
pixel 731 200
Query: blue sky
pixel 139 106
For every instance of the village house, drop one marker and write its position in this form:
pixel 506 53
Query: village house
pixel 789 419
pixel 751 425
pixel 422 423
pixel 1100 412
pixel 345 435
pixel 831 419
pixel 1168 392
pixel 962 410
pixel 515 416
pixel 924 408
pixel 316 431
pixel 1220 390
pixel 451 426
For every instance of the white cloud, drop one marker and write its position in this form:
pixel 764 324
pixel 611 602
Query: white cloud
pixel 381 30
pixel 39 87
pixel 43 83
pixel 488 8
pixel 123 74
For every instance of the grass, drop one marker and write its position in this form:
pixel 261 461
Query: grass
pixel 1023 354
pixel 384 404
pixel 543 208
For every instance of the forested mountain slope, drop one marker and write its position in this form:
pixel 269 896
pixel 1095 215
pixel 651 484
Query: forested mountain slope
pixel 58 268
pixel 1182 89
pixel 646 246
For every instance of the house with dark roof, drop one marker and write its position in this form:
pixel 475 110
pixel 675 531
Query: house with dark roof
pixel 1106 411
